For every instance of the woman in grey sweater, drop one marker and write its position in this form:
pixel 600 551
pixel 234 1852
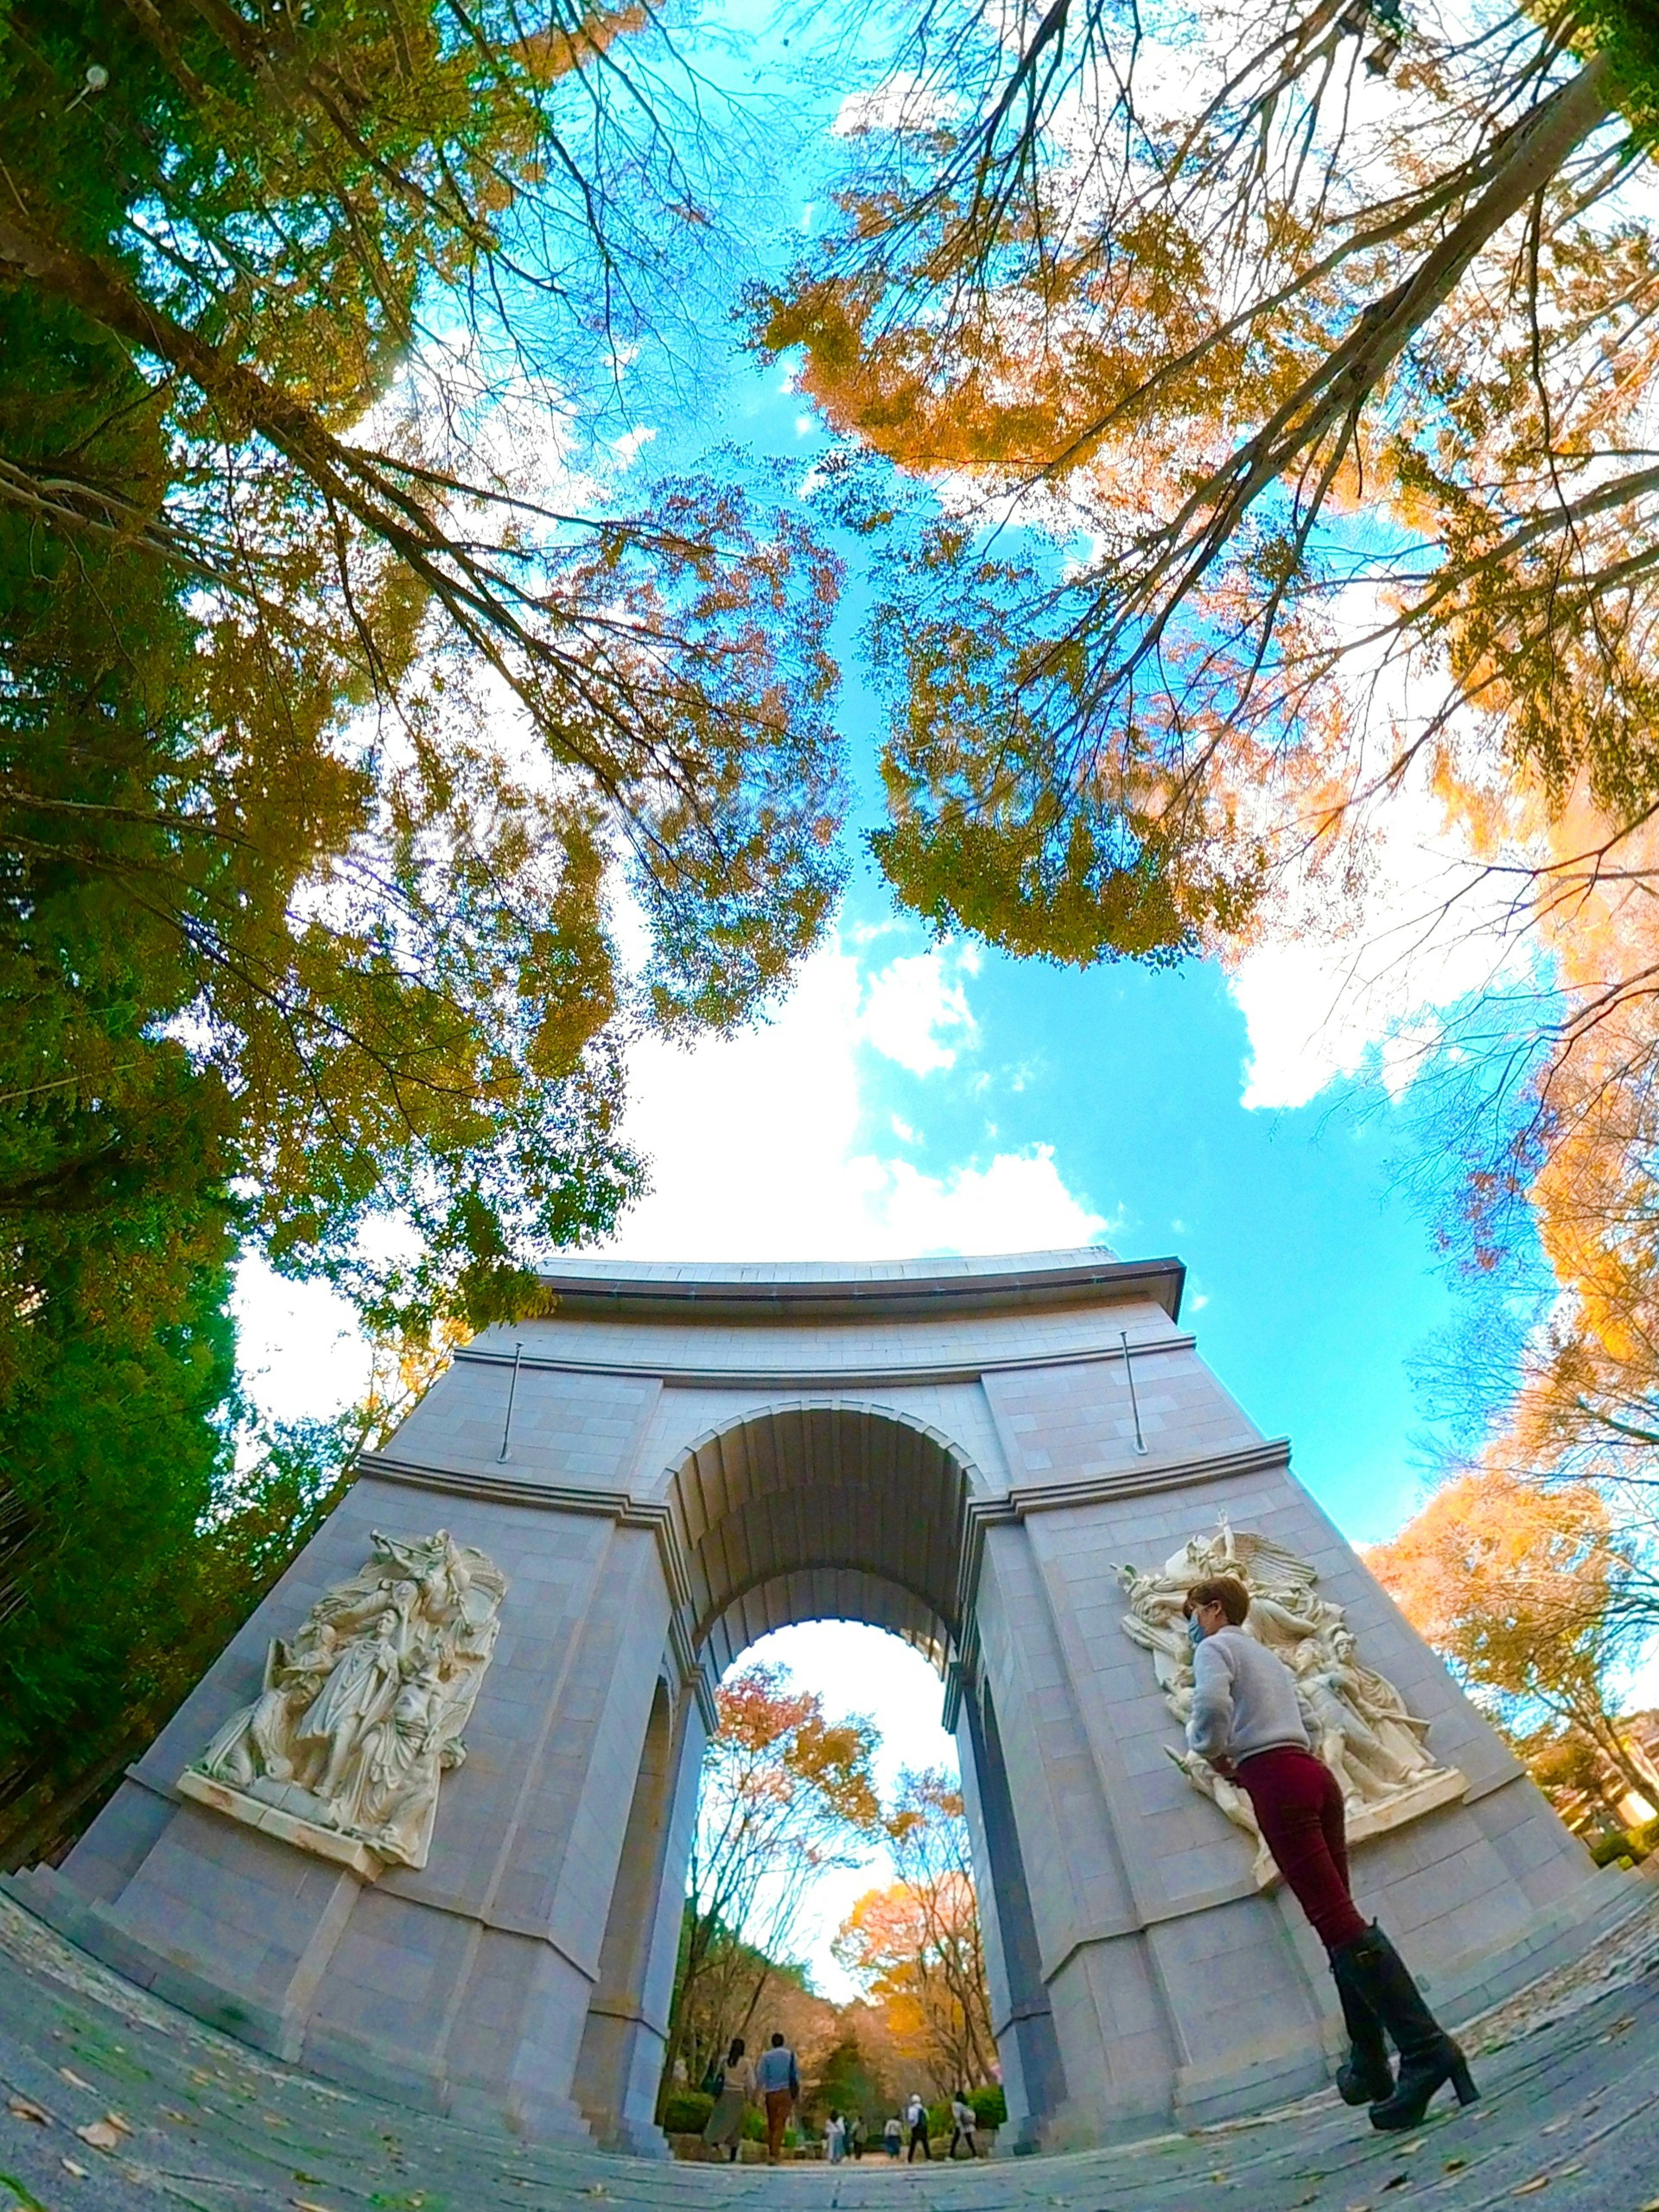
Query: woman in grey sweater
pixel 1246 1721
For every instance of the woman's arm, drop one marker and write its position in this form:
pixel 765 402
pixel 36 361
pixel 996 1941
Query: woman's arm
pixel 1210 1723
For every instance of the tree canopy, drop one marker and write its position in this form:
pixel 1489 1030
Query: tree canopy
pixel 1280 387
pixel 348 718
pixel 1529 1596
pixel 410 704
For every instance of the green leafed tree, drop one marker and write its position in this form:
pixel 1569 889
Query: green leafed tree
pixel 319 296
pixel 342 708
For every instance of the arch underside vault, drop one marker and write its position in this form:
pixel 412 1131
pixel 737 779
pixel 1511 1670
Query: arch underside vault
pixel 821 1512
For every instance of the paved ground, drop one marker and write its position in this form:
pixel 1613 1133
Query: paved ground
pixel 1570 2117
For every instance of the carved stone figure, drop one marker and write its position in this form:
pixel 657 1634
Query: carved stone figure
pixel 362 1713
pixel 1356 1720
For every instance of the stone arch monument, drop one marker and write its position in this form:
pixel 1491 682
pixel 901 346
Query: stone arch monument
pixel 423 1826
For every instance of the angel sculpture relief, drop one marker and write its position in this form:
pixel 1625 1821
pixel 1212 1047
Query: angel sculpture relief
pixel 1358 1722
pixel 360 1714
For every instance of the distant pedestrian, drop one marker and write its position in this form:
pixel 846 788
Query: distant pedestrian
pixel 916 2112
pixel 834 2139
pixel 777 2077
pixel 857 2135
pixel 893 2134
pixel 735 2092
pixel 963 2120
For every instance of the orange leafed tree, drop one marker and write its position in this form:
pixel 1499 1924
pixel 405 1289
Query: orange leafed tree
pixel 1311 349
pixel 916 1946
pixel 1527 1593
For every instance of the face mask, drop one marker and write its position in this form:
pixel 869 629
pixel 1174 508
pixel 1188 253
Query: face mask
pixel 1194 1633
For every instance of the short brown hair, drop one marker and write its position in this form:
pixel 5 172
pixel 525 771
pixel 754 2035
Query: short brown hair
pixel 1225 1591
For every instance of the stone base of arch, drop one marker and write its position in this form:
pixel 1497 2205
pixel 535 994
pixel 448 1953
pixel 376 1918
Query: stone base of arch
pixel 965 1453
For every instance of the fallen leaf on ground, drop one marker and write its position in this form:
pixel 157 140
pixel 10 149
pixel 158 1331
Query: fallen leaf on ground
pixel 74 2080
pixel 1405 2149
pixel 70 2166
pixel 1556 2126
pixel 1455 2165
pixel 1398 2181
pixel 25 2108
pixel 308 2204
pixel 1538 2181
pixel 101 2134
pixel 172 2112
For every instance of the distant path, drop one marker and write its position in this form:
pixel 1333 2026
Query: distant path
pixel 1572 2095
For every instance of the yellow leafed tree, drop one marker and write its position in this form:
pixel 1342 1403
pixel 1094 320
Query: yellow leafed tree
pixel 915 1946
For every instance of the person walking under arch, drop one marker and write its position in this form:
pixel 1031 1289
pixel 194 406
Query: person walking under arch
pixel 916 2112
pixel 893 2134
pixel 778 2079
pixel 731 2100
pixel 1246 1721
pixel 963 2120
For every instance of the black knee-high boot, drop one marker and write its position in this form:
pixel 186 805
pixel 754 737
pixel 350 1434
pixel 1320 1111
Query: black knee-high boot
pixel 1428 2056
pixel 1366 2076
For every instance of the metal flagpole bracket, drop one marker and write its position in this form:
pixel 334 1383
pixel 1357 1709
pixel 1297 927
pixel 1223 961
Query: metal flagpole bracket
pixel 1128 1375
pixel 513 1392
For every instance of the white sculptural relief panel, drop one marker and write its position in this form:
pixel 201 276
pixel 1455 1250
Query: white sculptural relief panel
pixel 1357 1721
pixel 362 1712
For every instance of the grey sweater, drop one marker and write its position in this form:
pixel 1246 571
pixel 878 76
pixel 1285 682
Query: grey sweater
pixel 1243 1699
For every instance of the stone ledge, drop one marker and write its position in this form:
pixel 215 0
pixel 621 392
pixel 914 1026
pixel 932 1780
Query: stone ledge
pixel 287 1828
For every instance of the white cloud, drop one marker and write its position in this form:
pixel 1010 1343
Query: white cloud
pixel 298 1344
pixel 754 1139
pixel 1426 928
pixel 758 1150
pixel 627 448
pixel 904 101
pixel 912 1004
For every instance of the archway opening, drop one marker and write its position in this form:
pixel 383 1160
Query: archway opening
pixel 831 1891
pixel 806 1529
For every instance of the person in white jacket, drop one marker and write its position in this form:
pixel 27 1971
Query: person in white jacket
pixel 736 2094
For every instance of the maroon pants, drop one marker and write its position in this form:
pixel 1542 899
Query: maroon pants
pixel 1298 1809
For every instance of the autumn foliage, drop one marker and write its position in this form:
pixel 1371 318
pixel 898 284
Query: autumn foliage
pixel 915 1947
pixel 1527 1593
pixel 787 1795
pixel 341 708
